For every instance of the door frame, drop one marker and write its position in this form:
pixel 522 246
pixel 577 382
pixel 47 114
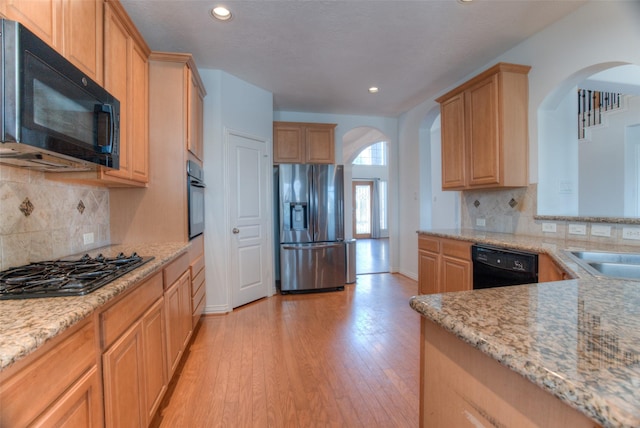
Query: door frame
pixel 369 184
pixel 228 199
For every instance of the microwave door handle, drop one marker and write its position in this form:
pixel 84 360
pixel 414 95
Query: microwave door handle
pixel 108 110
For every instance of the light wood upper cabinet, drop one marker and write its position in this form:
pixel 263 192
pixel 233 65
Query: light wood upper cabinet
pixel 295 142
pixel 127 78
pixel 83 35
pixel 195 107
pixel 72 27
pixel 485 132
pixel 42 17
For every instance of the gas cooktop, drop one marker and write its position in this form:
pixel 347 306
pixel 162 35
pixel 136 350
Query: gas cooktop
pixel 66 277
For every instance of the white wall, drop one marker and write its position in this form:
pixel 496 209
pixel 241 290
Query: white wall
pixel 556 53
pixel 236 105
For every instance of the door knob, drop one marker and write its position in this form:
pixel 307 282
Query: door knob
pixel 235 230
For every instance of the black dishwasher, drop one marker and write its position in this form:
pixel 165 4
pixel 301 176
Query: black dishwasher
pixel 499 267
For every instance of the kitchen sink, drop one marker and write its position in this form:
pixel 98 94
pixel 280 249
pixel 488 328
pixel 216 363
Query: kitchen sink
pixel 617 270
pixel 609 264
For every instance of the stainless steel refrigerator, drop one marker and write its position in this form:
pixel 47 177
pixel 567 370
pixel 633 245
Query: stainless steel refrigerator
pixel 311 233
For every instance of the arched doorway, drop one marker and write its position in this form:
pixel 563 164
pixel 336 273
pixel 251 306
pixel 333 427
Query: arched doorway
pixel 369 176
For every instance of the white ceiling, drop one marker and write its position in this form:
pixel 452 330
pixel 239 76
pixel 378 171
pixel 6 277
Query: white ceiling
pixel 321 56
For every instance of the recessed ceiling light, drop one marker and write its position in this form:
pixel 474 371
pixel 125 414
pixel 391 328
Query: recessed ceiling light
pixel 373 90
pixel 221 13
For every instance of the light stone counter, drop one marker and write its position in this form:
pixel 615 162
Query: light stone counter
pixel 578 339
pixel 27 324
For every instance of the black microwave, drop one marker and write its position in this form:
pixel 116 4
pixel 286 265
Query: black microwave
pixel 54 117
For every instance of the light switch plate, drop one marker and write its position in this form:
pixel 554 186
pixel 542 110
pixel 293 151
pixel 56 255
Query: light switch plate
pixel 481 222
pixel 600 230
pixel 577 229
pixel 549 227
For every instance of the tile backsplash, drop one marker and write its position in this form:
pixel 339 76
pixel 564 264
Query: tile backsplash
pixel 514 211
pixel 42 219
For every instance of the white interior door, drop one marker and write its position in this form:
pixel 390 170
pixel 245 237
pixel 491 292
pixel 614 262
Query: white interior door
pixel 248 177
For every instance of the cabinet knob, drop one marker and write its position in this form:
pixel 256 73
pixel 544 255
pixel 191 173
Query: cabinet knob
pixel 235 230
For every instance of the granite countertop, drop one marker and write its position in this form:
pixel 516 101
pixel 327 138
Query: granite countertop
pixel 27 324
pixel 578 339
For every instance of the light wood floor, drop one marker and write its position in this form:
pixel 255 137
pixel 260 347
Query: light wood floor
pixel 372 255
pixel 337 359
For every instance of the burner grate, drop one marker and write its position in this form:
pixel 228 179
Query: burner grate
pixel 66 277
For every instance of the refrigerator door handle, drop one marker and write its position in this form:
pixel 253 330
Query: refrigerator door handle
pixel 312 247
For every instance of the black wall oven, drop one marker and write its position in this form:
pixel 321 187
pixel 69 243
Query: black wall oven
pixel 195 199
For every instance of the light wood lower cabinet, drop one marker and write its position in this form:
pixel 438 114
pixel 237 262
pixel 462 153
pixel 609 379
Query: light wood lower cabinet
pixel 177 282
pixel 444 265
pixel 549 271
pixel 463 387
pixel 57 386
pixel 134 363
pixel 198 288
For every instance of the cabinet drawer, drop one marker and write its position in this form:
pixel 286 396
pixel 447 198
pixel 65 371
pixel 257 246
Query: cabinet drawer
pixel 458 249
pixel 31 390
pixel 197 283
pixel 175 269
pixel 198 293
pixel 197 266
pixel 198 308
pixel 119 317
pixel 429 244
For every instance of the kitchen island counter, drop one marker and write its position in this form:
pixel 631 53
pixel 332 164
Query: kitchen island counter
pixel 577 339
pixel 26 325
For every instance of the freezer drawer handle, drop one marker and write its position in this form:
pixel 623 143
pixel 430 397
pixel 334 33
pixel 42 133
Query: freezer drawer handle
pixel 312 247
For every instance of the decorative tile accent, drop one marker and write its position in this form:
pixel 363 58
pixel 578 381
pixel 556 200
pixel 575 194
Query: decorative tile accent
pixel 476 203
pixel 513 203
pixel 26 207
pixel 81 206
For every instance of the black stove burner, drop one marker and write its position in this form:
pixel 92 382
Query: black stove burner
pixel 65 277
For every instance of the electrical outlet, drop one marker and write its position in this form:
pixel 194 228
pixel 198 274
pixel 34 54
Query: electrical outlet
pixel 481 222
pixel 577 229
pixel 88 238
pixel 600 230
pixel 631 233
pixel 549 227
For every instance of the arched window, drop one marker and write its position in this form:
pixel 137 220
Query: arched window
pixel 375 154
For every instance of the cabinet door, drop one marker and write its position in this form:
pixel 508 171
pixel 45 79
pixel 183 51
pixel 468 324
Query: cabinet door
pixel 320 144
pixel 82 21
pixel 81 405
pixel 178 315
pixel 483 136
pixel 195 110
pixel 117 59
pixel 138 85
pixel 455 274
pixel 453 142
pixel 124 390
pixel 153 337
pixel 288 143
pixel 428 272
pixel 42 17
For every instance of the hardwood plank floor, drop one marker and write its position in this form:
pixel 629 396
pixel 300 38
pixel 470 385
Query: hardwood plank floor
pixel 337 359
